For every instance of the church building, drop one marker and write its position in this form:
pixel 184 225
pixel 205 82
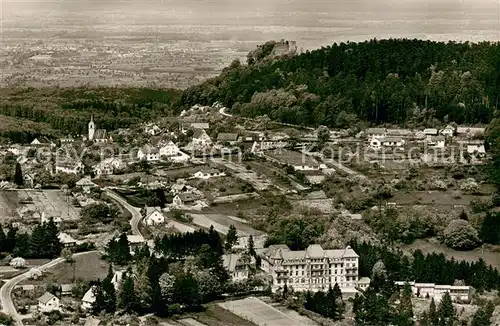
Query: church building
pixel 96 135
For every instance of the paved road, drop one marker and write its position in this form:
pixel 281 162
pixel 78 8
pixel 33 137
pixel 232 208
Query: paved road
pixel 6 290
pixel 136 215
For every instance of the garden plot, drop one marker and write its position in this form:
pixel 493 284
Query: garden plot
pixel 52 202
pixel 221 224
pixel 262 314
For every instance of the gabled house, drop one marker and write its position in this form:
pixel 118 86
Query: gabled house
pixel 448 131
pixel 154 216
pixel 392 142
pixel 208 173
pixel 86 184
pixel 69 166
pixel 375 133
pixel 470 132
pixel 200 139
pixel 41 142
pixel 48 302
pixel 436 141
pixel 430 132
pixel 237 267
pixel 184 199
pixel 227 137
pixel 475 147
pixel 169 149
pixel 149 154
pixel 67 140
pixel 91 321
pixel 200 125
pixel 66 240
pixel 152 129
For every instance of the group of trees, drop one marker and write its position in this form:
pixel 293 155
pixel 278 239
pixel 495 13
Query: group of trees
pixel 328 304
pixel 69 110
pixel 397 81
pixel 41 243
pixel 430 268
pixel 188 273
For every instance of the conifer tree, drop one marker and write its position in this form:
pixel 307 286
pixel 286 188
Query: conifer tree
pixel 99 303
pixel 37 244
pixel 123 247
pixel 446 311
pixel 18 176
pixel 490 228
pixel 10 241
pixel 127 299
pixel 251 246
pixel 51 240
pixel 404 311
pixel 433 315
pixel 3 239
pixel 109 292
pixel 143 288
pixel 231 238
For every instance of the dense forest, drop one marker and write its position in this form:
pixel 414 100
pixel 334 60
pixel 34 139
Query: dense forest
pixel 397 81
pixel 52 110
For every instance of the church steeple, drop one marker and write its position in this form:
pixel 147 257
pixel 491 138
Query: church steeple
pixel 91 128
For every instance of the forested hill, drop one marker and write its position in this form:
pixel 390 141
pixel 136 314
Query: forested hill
pixel 406 82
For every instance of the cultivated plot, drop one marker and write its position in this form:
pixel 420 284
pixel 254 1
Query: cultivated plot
pixel 262 314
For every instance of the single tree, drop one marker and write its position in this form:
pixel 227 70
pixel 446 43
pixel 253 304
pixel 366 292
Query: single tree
pixel 251 246
pixel 127 299
pixel 231 238
pixel 67 254
pixel 18 176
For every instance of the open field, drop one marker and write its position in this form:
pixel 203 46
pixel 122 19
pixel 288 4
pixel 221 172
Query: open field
pixel 490 257
pixel 87 267
pixel 213 315
pixel 261 313
pixel 52 202
pixel 221 223
pixel 435 197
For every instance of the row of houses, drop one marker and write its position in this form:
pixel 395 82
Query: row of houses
pixel 448 131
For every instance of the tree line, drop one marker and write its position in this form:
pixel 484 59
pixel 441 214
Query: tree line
pixel 430 268
pixel 42 242
pixel 398 81
pixel 184 271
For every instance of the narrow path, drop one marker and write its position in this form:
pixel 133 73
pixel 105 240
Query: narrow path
pixel 8 306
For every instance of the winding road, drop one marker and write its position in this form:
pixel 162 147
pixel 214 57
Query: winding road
pixel 6 290
pixel 136 215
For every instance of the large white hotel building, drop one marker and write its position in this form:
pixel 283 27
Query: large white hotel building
pixel 312 269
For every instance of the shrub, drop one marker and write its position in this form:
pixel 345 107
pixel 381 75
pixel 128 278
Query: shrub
pixel 460 235
pixel 469 185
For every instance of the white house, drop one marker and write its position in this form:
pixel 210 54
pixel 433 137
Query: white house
pixel 201 139
pixel 227 137
pixel 200 125
pixel 208 173
pixel 70 167
pixel 375 132
pixel 436 141
pixel 183 199
pixel 149 154
pixel 393 142
pixel 108 166
pixel 66 240
pixel 154 216
pixel 48 302
pixel 238 268
pixel 460 293
pixel 448 131
pixel 169 149
pixel 43 141
pixel 67 140
pixel 475 147
pixel 88 299
pixel 89 296
pixel 44 219
pixel 86 184
pixel 431 132
pixel 151 129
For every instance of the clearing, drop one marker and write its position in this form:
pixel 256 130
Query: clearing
pixel 427 247
pixel 52 202
pixel 263 314
pixel 88 267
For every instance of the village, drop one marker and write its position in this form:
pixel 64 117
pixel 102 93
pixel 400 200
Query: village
pixel 208 170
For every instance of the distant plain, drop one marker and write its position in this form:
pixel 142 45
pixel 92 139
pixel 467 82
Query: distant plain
pixel 180 43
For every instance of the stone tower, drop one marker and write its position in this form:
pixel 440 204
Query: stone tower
pixel 91 128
